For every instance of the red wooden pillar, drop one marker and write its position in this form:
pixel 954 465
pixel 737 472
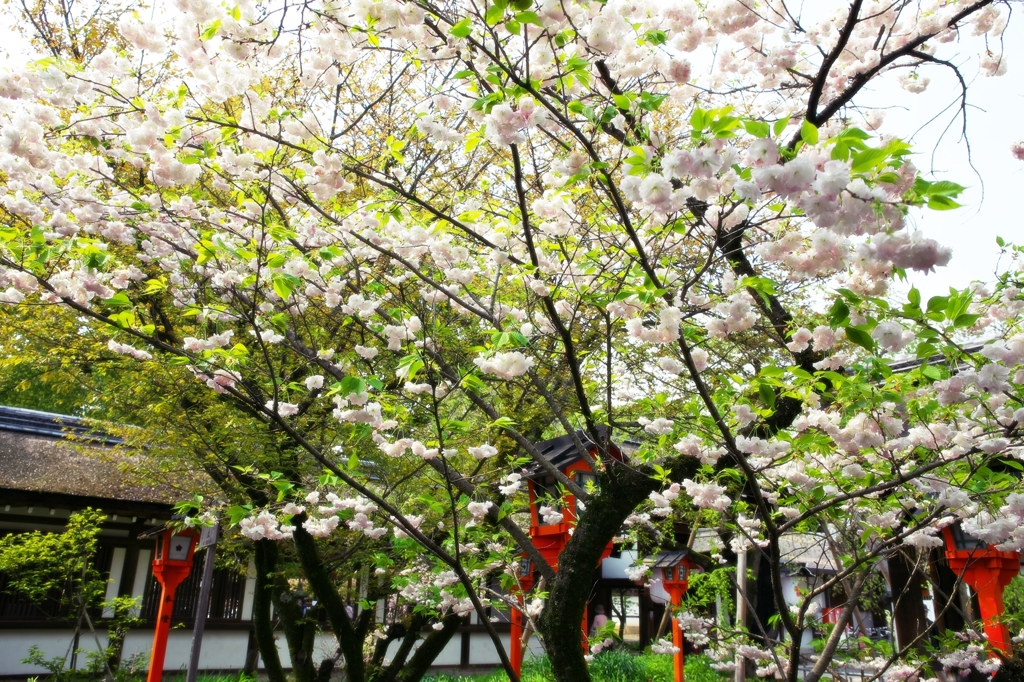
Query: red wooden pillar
pixel 988 571
pixel 516 643
pixel 675 591
pixel 989 577
pixel 524 572
pixel 679 660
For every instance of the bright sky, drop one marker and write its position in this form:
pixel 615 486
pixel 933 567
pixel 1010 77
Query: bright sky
pixel 991 204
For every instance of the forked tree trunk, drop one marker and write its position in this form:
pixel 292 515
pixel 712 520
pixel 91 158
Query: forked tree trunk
pixel 561 622
pixel 266 565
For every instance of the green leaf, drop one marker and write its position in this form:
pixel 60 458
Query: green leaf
pixel 528 18
pixel 656 37
pixel 937 304
pixel 352 384
pixel 473 383
pixel 762 285
pixel 861 338
pixel 779 126
pixel 853 134
pixel 649 102
pixel 965 320
pixel 461 29
pixel 868 160
pixel 284 284
pixel 237 513
pixel 698 119
pixel 756 128
pixel 118 300
pixel 496 12
pixel 849 295
pixel 621 102
pixel 945 188
pixel 941 203
pixel 513 27
pixel 211 30
pixel 809 132
pixel 914 296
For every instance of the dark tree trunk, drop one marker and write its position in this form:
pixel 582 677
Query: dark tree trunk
pixel 320 581
pixel 948 613
pixel 908 605
pixel 622 489
pixel 266 567
pixel 326 669
pixel 294 623
pixel 252 655
pixel 763 597
pixel 430 649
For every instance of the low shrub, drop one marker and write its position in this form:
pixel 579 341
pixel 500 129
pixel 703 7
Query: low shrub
pixel 611 666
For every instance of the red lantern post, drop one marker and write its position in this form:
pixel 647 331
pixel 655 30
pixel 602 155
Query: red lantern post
pixel 675 577
pixel 525 574
pixel 171 565
pixel 988 571
pixel 551 538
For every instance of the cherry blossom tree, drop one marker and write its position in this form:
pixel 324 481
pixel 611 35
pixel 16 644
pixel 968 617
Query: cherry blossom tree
pixel 451 230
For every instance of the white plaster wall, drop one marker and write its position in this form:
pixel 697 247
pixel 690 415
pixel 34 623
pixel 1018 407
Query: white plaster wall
pixel 658 593
pixel 324 646
pixel 789 590
pixel 116 568
pixel 452 653
pixel 141 573
pixel 613 567
pixel 14 646
pixel 481 649
pixel 250 591
pixel 221 649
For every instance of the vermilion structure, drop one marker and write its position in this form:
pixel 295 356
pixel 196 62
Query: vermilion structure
pixel 988 571
pixel 171 565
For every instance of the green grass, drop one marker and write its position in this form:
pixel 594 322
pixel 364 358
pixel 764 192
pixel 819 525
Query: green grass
pixel 612 666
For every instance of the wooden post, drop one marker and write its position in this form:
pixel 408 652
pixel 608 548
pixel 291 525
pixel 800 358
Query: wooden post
pixel 209 541
pixel 677 641
pixel 171 565
pixel 163 629
pixel 516 641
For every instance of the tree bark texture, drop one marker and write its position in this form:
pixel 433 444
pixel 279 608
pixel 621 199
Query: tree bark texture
pixel 320 581
pixel 622 489
pixel 909 618
pixel 266 566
